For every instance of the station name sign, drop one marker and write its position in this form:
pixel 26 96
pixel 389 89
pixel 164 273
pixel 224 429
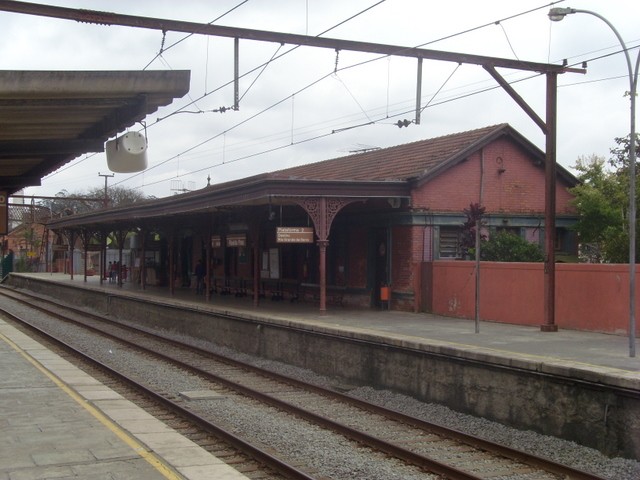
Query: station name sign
pixel 294 235
pixel 231 240
pixel 236 240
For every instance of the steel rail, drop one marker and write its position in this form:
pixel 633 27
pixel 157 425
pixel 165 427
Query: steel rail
pixel 399 452
pixel 431 465
pixel 254 452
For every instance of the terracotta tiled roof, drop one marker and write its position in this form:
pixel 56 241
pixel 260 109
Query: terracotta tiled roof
pixel 399 163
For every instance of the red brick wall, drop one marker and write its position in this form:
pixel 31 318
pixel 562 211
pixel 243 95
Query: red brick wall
pixel 407 246
pixel 401 257
pixel 519 189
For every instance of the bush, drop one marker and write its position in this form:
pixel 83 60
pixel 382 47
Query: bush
pixel 507 247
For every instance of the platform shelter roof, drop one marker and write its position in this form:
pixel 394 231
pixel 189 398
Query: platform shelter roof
pixel 49 118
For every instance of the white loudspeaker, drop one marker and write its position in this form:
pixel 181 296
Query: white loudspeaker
pixel 127 154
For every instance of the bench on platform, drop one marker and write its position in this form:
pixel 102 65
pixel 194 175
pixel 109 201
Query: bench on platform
pixel 335 293
pixel 279 289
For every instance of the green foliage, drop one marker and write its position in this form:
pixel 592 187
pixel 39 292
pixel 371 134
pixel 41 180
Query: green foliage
pixel 507 247
pixel 66 203
pixel 602 201
pixel 118 195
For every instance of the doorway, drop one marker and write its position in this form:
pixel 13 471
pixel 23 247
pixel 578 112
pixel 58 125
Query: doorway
pixel 380 251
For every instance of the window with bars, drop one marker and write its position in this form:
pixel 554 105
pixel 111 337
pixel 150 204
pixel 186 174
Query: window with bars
pixel 449 242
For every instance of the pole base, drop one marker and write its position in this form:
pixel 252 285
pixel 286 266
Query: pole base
pixel 548 328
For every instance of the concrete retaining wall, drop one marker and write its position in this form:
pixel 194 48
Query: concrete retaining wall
pixel 588 408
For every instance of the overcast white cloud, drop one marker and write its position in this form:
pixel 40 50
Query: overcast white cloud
pixel 185 148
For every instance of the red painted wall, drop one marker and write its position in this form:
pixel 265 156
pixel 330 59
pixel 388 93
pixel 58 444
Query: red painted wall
pixel 590 297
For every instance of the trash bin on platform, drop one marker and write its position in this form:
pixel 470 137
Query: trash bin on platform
pixel 385 296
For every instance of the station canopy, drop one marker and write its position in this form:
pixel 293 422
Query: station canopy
pixel 48 118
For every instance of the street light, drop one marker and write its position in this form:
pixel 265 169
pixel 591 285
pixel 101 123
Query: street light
pixel 555 15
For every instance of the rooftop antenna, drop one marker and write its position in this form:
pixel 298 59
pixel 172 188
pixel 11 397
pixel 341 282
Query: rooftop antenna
pixel 178 186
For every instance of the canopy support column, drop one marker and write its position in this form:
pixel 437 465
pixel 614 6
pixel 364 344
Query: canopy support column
pixel 322 211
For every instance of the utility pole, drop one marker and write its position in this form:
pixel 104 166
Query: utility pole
pixel 106 177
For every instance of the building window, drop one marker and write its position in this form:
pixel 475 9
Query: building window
pixel 449 242
pixel 562 240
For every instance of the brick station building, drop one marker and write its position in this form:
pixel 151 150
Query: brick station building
pixel 350 230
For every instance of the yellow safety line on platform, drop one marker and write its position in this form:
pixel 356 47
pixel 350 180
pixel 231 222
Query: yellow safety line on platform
pixel 151 458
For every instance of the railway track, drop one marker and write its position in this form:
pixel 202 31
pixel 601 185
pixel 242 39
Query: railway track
pixel 420 448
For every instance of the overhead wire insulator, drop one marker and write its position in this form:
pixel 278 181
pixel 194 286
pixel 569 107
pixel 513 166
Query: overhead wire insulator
pixel 403 123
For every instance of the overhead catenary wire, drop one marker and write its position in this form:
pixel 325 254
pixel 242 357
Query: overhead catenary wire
pixel 371 122
pixel 339 130
pixel 263 66
pixel 336 69
pixel 162 49
pixel 200 144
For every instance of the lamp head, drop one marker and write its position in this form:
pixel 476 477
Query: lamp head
pixel 558 13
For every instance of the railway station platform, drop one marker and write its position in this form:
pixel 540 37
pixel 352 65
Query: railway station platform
pixel 58 422
pixel 515 370
pixel 605 353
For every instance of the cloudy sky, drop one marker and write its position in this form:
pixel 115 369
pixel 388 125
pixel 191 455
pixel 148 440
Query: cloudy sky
pixel 311 104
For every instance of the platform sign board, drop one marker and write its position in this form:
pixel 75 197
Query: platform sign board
pixel 236 240
pixel 216 241
pixel 4 213
pixel 294 235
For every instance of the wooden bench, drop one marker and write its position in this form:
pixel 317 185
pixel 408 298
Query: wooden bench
pixel 279 289
pixel 335 293
pixel 220 285
pixel 240 287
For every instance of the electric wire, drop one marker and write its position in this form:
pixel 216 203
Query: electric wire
pixel 337 77
pixel 508 40
pixel 369 61
pixel 371 122
pixel 320 136
pixel 263 66
pixel 162 49
pixel 365 62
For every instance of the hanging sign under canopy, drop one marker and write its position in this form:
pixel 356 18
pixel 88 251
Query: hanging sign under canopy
pixel 294 235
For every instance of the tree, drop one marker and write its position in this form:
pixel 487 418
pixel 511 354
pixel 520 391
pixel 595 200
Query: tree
pixel 474 215
pixel 118 196
pixel 504 246
pixel 602 201
pixel 67 203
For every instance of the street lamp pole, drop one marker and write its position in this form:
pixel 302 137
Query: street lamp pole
pixel 557 14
